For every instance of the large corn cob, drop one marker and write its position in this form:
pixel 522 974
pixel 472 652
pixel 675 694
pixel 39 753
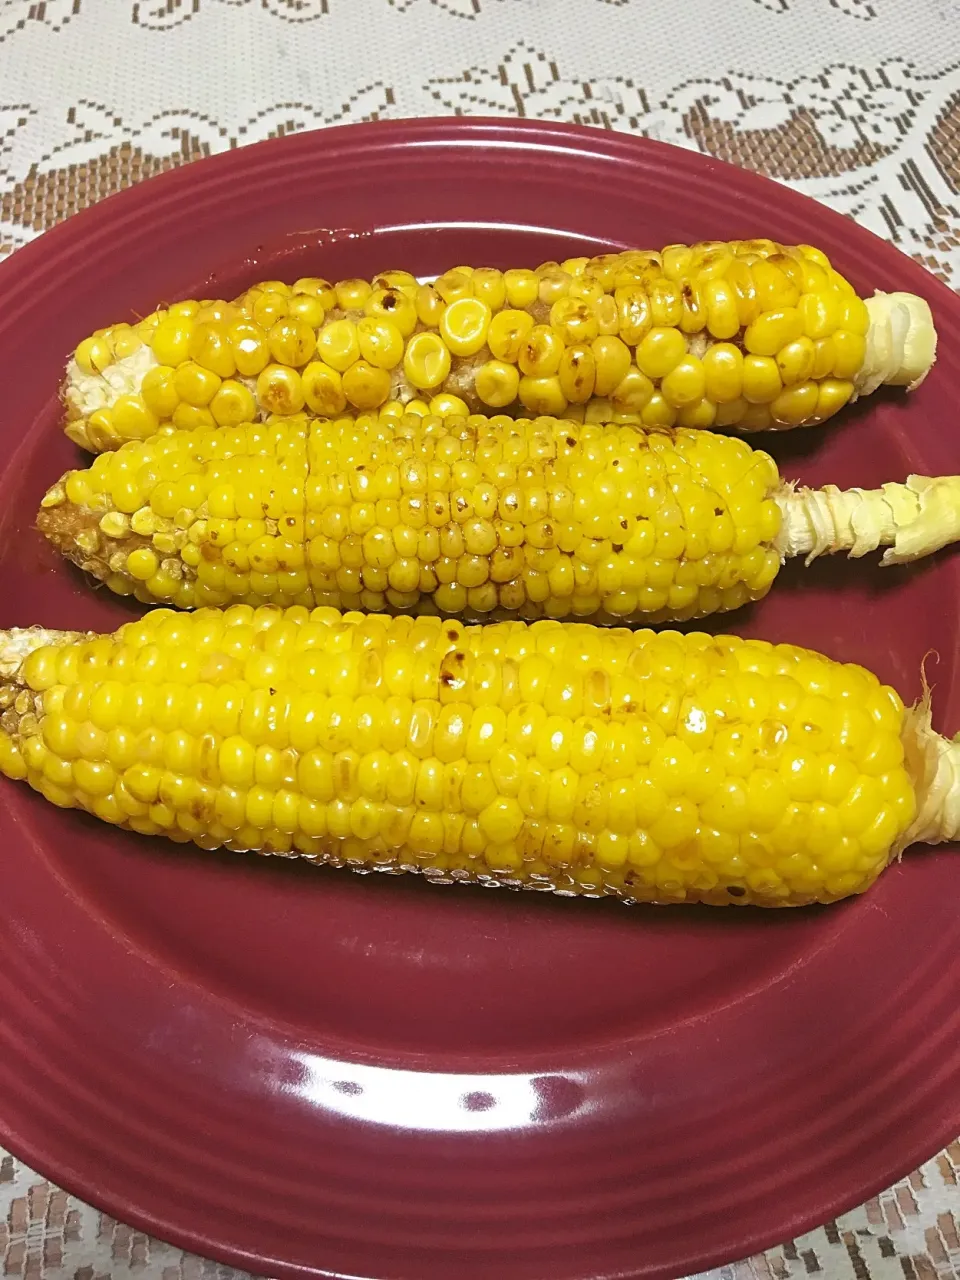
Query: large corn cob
pixel 470 516
pixel 747 334
pixel 657 767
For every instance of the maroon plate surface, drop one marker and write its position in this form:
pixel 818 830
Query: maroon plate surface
pixel 308 1073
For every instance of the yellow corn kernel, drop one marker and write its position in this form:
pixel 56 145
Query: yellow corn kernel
pixel 446 405
pixel 685 384
pixel 490 287
pixel 577 373
pixel 402 280
pixel 188 417
pixel 210 347
pixel 773 330
pixel 93 355
pixel 849 350
pixel 796 360
pixel 508 333
pixel 612 358
pixel 307 308
pixel 554 283
pixel 133 419
pixel 856 317
pixel 796 405
pixel 233 404
pixel 832 395
pixel 497 383
pixel 171 340
pixel 660 351
pixel 542 395
pixel 464 325
pixel 352 294
pixel 394 306
pixel 380 341
pixel 522 288
pixel 323 389
pixel 142 564
pixel 677 260
pixel 701 414
pixel 821 313
pixel 723 372
pixel 279 390
pixel 719 300
pixel 366 386
pixel 426 361
pixel 823 358
pixel 268 306
pixel 429 305
pixel 195 385
pixel 291 342
pixel 633 393
pixel 774 289
pixel 634 315
pixel 761 379
pixel 159 392
pixel 574 320
pixel 338 344
pixel 250 350
pixel 658 412
pixel 540 354
pixel 666 303
pixel 453 285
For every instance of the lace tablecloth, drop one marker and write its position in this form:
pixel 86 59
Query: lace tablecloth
pixel 855 102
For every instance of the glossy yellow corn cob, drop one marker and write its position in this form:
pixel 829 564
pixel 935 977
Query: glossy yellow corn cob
pixel 747 334
pixel 470 516
pixel 656 767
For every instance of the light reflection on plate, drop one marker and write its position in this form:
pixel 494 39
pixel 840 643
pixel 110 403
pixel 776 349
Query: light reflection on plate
pixel 438 1102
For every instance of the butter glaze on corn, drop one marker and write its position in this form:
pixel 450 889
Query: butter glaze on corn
pixel 654 767
pixel 468 516
pixel 748 334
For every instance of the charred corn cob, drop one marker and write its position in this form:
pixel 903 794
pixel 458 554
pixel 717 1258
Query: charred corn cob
pixel 468 516
pixel 656 767
pixel 747 334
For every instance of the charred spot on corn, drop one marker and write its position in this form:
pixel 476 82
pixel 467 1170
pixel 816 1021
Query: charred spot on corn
pixel 747 334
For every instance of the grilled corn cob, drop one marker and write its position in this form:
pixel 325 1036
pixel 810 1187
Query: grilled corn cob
pixel 656 767
pixel 468 516
pixel 745 334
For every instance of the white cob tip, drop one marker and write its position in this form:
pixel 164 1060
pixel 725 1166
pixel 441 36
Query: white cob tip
pixel 901 342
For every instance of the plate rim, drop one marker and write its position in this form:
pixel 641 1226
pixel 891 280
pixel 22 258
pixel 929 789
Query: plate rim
pixel 527 134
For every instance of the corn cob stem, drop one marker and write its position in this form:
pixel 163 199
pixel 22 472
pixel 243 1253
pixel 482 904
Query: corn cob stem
pixel 745 334
pixel 901 343
pixel 912 520
pixel 654 767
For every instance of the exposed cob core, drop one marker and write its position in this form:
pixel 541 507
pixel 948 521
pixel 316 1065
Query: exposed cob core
pixel 655 767
pixel 747 334
pixel 911 520
pixel 468 516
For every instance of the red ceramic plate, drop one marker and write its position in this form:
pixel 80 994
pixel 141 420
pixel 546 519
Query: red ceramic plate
pixel 308 1073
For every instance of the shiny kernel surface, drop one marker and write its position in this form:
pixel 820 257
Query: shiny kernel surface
pixel 640 316
pixel 462 514
pixel 658 767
